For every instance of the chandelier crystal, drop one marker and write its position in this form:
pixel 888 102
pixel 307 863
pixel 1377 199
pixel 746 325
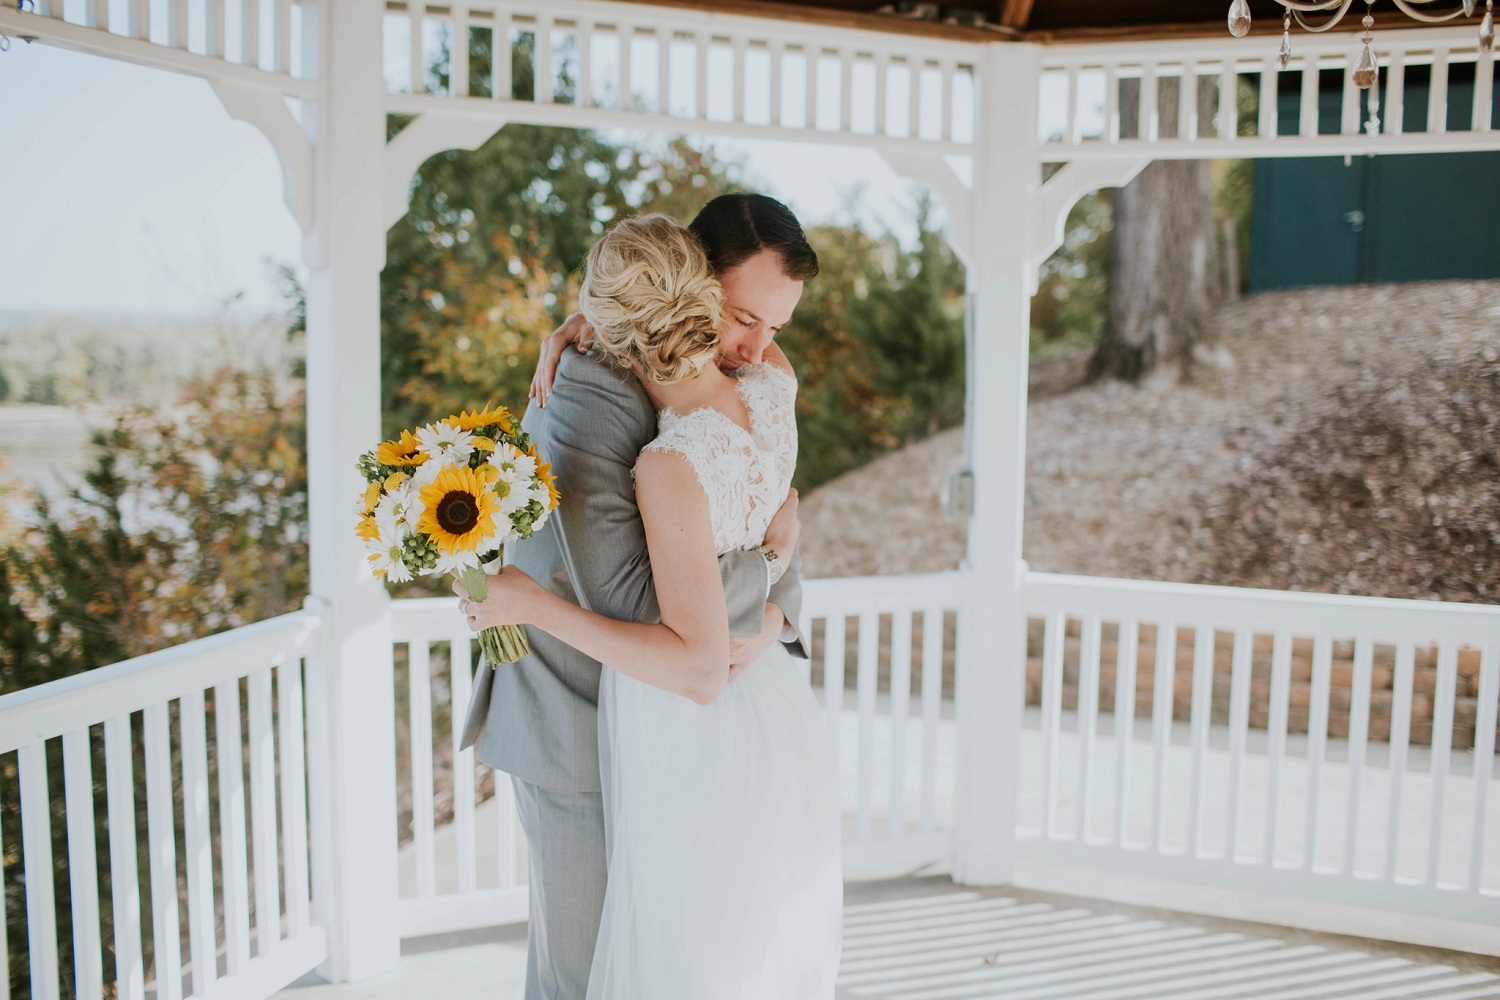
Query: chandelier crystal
pixel 1366 72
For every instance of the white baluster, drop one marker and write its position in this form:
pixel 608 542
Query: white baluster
pixel 812 53
pixel 1202 705
pixel 1307 123
pixel 203 943
pixel 914 72
pixel 250 32
pixel 293 795
pixel 83 865
pixel 700 82
pixel 1111 103
pixel 867 677
pixel 1088 721
pixel 36 849
pixel 882 84
pixel 738 44
pixel 138 19
pixel 932 697
pixel 900 707
pixel 1054 636
pixel 1266 128
pixel 1317 739
pixel 1163 681
pixel 585 96
pixel 263 812
pixel 1349 98
pixel 95 15
pixel 664 71
pixel 1070 130
pixel 1150 117
pixel 1395 93
pixel 1442 749
pixel 419 699
pixel 1239 726
pixel 166 927
pixel 177 22
pixel 503 85
pixel 542 70
pixel 1484 92
pixel 627 34
pixel 776 52
pixel 1281 684
pixel 460 681
pixel 1484 756
pixel 1401 691
pixel 232 855
pixel 1359 733
pixel 282 38
pixel 1127 651
pixel 458 82
pixel 1228 105
pixel 1187 102
pixel 125 893
pixel 846 89
pixel 1437 92
pixel 834 642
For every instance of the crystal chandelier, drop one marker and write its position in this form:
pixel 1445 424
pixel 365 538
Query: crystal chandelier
pixel 1365 71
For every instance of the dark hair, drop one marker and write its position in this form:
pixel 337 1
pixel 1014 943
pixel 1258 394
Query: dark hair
pixel 735 227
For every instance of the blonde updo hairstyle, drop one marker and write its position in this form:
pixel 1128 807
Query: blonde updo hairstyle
pixel 652 299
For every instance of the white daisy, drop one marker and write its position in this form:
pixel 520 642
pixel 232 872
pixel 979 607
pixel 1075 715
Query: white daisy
pixel 398 511
pixel 386 555
pixel 509 458
pixel 453 563
pixel 512 490
pixel 444 441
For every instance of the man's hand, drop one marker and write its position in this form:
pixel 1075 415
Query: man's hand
pixel 575 330
pixel 743 652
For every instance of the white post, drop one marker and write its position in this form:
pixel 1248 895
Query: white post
pixel 992 672
pixel 351 701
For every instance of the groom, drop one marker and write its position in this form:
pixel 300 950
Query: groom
pixel 537 719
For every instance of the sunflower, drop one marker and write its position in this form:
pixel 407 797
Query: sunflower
pixel 468 420
pixel 544 473
pixel 404 451
pixel 459 509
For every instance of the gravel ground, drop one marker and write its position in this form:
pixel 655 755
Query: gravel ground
pixel 1118 475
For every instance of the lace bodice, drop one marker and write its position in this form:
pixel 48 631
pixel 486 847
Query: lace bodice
pixel 746 475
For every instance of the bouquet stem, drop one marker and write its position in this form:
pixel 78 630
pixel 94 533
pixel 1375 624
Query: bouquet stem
pixel 499 643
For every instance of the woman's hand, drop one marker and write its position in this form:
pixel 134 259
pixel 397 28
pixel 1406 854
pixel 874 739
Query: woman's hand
pixel 785 528
pixel 511 599
pixel 575 330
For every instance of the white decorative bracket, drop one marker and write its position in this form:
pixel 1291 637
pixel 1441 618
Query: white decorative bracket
pixel 267 111
pixel 1060 193
pixel 423 138
pixel 933 170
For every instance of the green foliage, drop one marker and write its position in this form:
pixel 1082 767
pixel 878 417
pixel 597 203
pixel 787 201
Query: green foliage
pixel 1072 295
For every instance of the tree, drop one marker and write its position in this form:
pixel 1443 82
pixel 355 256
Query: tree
pixel 1164 263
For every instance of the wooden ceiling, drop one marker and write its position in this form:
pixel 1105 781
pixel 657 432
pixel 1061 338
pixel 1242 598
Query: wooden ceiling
pixel 1047 20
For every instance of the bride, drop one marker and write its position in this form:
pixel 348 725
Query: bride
pixel 721 801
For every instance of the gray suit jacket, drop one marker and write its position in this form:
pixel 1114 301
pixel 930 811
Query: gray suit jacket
pixel 537 719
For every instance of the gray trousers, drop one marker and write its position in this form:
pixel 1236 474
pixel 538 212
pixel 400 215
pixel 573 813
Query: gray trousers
pixel 565 844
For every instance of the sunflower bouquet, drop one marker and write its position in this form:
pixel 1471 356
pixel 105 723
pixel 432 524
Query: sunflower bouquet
pixel 447 497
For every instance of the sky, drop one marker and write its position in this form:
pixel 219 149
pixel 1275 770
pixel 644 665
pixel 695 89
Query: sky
pixel 130 190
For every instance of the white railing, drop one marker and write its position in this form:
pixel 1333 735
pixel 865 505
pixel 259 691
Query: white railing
pixel 265 43
pixel 1374 822
pixel 148 718
pixel 635 66
pixel 463 864
pixel 1084 87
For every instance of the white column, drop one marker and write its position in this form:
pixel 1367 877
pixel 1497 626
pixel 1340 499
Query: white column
pixel 992 671
pixel 351 702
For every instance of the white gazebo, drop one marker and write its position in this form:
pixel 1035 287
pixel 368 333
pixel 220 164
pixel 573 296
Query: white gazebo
pixel 301 861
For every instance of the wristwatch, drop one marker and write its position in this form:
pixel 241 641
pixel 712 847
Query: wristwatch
pixel 773 562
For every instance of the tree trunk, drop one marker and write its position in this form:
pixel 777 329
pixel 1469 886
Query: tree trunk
pixel 1164 259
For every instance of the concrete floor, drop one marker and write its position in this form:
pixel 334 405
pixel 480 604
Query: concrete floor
pixel 921 937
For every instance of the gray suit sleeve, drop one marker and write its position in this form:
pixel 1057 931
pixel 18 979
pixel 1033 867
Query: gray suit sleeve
pixel 596 422
pixel 786 594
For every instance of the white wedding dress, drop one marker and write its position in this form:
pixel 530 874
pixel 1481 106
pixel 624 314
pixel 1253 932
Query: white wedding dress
pixel 722 820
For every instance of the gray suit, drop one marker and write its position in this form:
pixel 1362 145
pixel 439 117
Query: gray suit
pixel 537 719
